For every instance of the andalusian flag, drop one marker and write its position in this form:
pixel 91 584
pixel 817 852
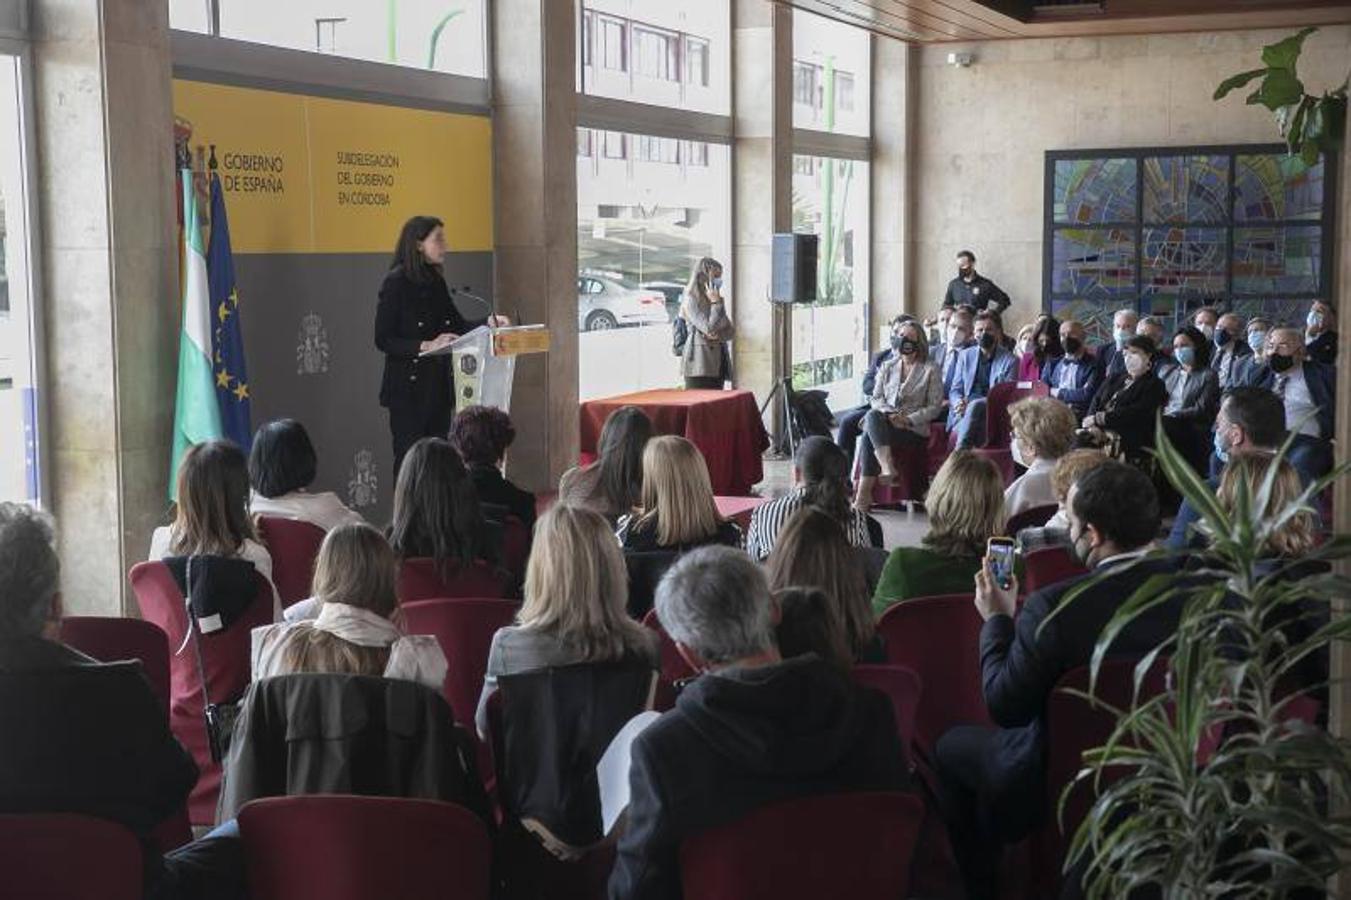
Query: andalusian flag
pixel 196 414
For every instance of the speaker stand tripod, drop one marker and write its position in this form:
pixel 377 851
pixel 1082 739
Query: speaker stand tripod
pixel 783 389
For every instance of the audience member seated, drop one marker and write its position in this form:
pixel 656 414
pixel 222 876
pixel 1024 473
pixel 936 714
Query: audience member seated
pixel 1231 350
pixel 809 623
pixel 1043 430
pixel 812 552
pixel 482 435
pixel 1110 361
pixel 956 339
pixel 436 511
pixel 1022 348
pixel 1193 397
pixel 576 594
pixel 821 481
pixel 1152 328
pixel 1308 391
pixel 352 632
pixel 1320 333
pixel 678 511
pixel 1256 332
pixel 85 737
pixel 992 779
pixel 851 420
pixel 1047 347
pixel 966 508
pixel 1128 403
pixel 1074 376
pixel 978 369
pixel 211 517
pixel 1056 532
pixel 1250 420
pixel 282 466
pixel 937 329
pixel 612 485
pixel 752 730
pixel 908 396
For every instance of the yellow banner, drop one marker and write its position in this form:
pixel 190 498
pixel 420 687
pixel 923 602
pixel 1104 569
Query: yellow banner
pixel 315 175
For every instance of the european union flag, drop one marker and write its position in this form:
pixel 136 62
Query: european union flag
pixel 227 335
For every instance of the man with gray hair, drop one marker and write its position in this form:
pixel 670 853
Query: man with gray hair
pixel 752 730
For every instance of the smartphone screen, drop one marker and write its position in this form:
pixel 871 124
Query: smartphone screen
pixel 1000 551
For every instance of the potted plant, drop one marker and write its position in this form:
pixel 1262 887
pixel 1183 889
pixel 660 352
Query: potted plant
pixel 1211 789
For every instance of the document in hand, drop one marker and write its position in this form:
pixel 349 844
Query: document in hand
pixel 612 772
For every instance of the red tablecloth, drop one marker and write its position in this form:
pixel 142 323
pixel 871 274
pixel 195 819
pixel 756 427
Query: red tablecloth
pixel 739 509
pixel 724 425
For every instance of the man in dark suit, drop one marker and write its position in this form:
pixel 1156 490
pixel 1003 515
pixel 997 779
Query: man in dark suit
pixel 977 370
pixel 993 779
pixel 1231 350
pixel 1073 377
pixel 1124 322
pixel 1308 390
pixel 851 421
pixel 752 730
pixel 86 737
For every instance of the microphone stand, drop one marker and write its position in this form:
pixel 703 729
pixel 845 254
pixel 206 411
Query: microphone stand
pixel 490 305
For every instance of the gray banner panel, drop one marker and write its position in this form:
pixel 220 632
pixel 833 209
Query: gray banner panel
pixel 309 339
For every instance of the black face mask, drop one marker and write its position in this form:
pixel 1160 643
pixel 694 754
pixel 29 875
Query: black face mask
pixel 906 346
pixel 986 341
pixel 896 343
pixel 1072 345
pixel 1280 362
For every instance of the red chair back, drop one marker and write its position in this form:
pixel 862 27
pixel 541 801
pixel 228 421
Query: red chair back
pixel 515 546
pixel 464 627
pixel 938 638
pixel 673 665
pixel 419 579
pixel 1048 566
pixel 225 655
pixel 835 845
pixel 294 546
pixel 1035 517
pixel 997 403
pixel 904 688
pixel 68 857
pixel 335 847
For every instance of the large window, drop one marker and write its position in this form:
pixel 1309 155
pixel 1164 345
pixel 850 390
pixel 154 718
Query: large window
pixel 423 34
pixel 831 75
pixel 1166 231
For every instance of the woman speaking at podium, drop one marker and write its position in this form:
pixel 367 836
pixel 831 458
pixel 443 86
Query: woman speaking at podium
pixel 415 315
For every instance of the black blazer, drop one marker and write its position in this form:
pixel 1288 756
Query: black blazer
pixel 495 490
pixel 407 314
pixel 1130 409
pixel 1323 349
pixel 1322 383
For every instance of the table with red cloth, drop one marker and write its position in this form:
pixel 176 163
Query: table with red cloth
pixel 724 425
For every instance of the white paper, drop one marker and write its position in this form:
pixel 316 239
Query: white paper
pixel 612 772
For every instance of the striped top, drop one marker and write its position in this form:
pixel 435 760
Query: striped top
pixel 768 519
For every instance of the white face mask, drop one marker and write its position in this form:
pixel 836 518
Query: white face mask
pixel 1016 448
pixel 1136 365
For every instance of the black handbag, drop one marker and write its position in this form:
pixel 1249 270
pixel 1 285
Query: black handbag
pixel 219 717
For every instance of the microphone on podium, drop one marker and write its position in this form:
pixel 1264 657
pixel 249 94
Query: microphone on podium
pixel 464 291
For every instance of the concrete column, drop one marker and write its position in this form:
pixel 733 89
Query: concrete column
pixel 891 110
pixel 104 127
pixel 535 223
pixel 762 106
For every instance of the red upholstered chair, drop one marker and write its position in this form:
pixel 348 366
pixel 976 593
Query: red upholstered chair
pixel 420 580
pixel 226 657
pixel 68 857
pixel 515 546
pixel 1047 566
pixel 464 627
pixel 998 425
pixel 1035 517
pixel 915 463
pixel 293 545
pixel 110 639
pixel 673 665
pixel 938 638
pixel 836 845
pixel 903 687
pixel 336 847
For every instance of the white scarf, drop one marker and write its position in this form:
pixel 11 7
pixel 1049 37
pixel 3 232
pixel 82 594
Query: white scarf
pixel 356 625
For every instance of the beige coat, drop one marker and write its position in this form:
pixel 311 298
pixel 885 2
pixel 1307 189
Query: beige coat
pixel 706 349
pixel 913 403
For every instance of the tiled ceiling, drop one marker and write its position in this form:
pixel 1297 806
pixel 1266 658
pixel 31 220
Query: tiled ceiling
pixel 936 21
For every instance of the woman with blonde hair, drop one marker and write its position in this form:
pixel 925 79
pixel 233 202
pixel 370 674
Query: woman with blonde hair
pixel 966 508
pixel 813 552
pixel 576 597
pixel 1299 535
pixel 1043 431
pixel 705 360
pixel 678 511
pixel 356 630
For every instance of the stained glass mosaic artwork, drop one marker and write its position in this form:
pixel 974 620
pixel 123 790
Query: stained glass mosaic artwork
pixel 1185 189
pixel 1277 260
pixel 1093 262
pixel 1278 312
pixel 1273 186
pixel 1095 191
pixel 1095 316
pixel 1183 260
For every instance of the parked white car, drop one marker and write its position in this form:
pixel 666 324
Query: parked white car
pixel 604 303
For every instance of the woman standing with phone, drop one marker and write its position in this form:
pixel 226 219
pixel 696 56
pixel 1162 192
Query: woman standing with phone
pixel 706 363
pixel 416 315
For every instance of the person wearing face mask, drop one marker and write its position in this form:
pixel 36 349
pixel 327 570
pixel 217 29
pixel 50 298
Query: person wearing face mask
pixel 706 363
pixel 1046 347
pixel 937 328
pixel 1043 431
pixel 908 396
pixel 1231 350
pixel 1255 336
pixel 1320 334
pixel 1307 389
pixel 851 421
pixel 973 289
pixel 1123 329
pixel 1128 402
pixel 957 339
pixel 1022 348
pixel 993 780
pixel 1153 329
pixel 1204 320
pixel 978 369
pixel 1193 397
pixel 1250 420
pixel 1073 377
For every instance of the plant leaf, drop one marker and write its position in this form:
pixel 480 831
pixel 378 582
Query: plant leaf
pixel 1233 82
pixel 1279 88
pixel 1284 54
